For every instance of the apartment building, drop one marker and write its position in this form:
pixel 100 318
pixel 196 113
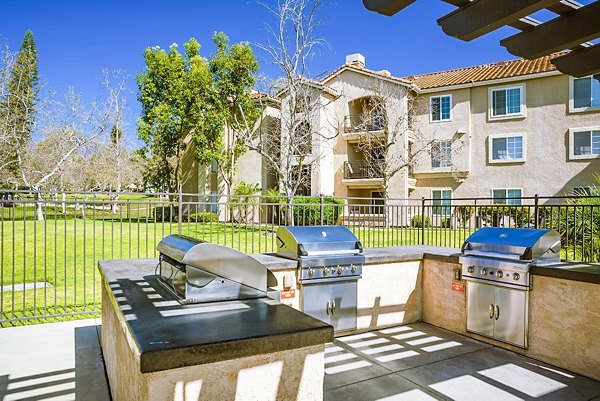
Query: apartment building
pixel 503 130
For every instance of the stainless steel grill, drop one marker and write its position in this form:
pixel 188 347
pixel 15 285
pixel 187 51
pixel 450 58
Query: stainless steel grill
pixel 495 264
pixel 196 271
pixel 330 261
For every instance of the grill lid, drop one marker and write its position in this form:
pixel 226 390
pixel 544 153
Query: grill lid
pixel 513 243
pixel 294 242
pixel 216 259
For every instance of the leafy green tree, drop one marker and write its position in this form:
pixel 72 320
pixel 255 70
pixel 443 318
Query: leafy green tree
pixel 178 108
pixel 234 69
pixel 18 101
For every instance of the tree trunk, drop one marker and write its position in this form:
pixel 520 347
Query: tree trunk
pixel 38 206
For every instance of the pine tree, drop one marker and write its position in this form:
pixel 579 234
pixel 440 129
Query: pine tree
pixel 17 108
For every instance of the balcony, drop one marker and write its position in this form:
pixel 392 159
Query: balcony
pixel 356 125
pixel 362 174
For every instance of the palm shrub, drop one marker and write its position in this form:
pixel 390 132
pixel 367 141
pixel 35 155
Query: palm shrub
pixel 579 224
pixel 242 204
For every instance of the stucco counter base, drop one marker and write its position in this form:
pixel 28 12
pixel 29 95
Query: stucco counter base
pixel 156 349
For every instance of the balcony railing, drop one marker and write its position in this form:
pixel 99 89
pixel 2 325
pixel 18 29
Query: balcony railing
pixel 360 123
pixel 363 170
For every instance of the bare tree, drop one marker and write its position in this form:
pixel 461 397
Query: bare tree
pixel 293 133
pixel 388 136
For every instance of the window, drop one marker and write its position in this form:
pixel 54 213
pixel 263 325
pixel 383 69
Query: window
pixel 507 102
pixel 507 148
pixel 302 144
pixel 441 153
pixel 507 196
pixel 441 107
pixel 442 201
pixel 585 143
pixel 586 92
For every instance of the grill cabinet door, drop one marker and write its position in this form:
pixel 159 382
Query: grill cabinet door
pixel 480 305
pixel 510 316
pixel 315 299
pixel 343 298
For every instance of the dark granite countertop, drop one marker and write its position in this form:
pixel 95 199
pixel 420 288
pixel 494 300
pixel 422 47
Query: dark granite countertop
pixel 170 335
pixel 577 271
pixel 388 254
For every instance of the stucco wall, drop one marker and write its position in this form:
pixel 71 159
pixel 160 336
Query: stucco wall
pixel 563 317
pixel 547 169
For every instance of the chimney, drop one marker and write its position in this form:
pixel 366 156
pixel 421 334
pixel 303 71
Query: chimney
pixel 356 59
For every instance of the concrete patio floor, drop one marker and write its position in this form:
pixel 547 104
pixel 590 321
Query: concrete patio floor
pixel 63 361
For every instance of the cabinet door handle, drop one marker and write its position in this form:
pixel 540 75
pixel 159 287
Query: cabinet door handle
pixel 491 311
pixel 333 306
pixel 327 308
pixel 497 313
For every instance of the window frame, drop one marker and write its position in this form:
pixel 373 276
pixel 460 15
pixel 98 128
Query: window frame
pixel 441 206
pixel 437 143
pixel 572 108
pixel 572 132
pixel 441 120
pixel 522 114
pixel 506 196
pixel 491 138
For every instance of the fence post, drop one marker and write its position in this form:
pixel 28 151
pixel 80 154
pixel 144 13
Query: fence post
pixel 423 221
pixel 321 209
pixel 536 211
pixel 180 214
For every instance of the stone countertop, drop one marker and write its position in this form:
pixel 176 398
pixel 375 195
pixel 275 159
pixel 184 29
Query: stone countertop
pixel 388 254
pixel 170 335
pixel 577 271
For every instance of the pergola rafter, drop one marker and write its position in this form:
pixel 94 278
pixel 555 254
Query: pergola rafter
pixel 573 27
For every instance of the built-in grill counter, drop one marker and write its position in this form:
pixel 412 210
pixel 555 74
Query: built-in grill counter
pixel 496 263
pixel 330 263
pixel 201 314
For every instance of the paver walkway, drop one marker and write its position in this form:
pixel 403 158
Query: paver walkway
pixel 63 361
pixel 422 362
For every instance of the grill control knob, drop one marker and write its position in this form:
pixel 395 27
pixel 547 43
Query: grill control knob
pixel 484 271
pixel 311 272
pixel 326 271
pixel 340 269
pixel 470 269
pixel 499 274
pixel 516 276
pixel 353 269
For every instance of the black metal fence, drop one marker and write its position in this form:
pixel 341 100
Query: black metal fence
pixel 50 242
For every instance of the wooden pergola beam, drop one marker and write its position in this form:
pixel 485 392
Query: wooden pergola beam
pixel 558 34
pixel 483 16
pixel 580 63
pixel 386 7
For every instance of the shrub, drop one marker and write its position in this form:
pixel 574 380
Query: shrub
pixel 492 215
pixel 242 204
pixel 307 211
pixel 445 222
pixel 464 214
pixel 202 217
pixel 520 215
pixel 418 221
pixel 165 213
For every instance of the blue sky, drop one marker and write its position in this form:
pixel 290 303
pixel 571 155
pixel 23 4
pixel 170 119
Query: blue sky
pixel 76 39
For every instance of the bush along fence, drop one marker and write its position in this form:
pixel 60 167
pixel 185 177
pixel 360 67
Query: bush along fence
pixel 50 243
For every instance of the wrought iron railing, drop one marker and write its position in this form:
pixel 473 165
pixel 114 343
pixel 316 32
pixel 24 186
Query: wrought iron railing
pixel 363 170
pixel 360 123
pixel 50 243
